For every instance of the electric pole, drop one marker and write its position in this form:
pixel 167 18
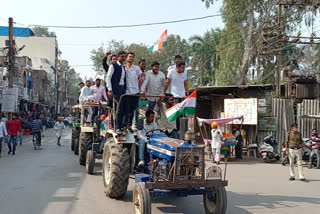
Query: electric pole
pixel 11 53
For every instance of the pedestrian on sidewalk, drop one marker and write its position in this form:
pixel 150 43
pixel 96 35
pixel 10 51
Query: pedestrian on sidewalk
pixel 315 146
pixel 3 133
pixel 14 127
pixel 23 126
pixel 294 144
pixel 59 126
pixel 216 141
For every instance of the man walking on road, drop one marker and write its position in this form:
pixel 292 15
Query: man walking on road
pixel 59 126
pixel 3 133
pixel 294 144
pixel 153 84
pixel 14 127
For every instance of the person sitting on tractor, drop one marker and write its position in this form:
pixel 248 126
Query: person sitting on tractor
pixel 170 128
pixel 148 126
pixel 86 96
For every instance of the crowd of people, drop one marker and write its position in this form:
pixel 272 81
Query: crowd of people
pixel 124 78
pixel 12 131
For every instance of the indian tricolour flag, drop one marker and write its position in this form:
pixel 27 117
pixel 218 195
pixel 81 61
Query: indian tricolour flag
pixel 186 107
pixel 160 44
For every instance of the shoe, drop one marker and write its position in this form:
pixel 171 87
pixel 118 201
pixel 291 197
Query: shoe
pixel 20 144
pixel 304 180
pixel 141 163
pixel 125 131
pixel 131 129
pixel 119 132
pixel 58 144
pixel 13 153
pixel 9 152
pixel 292 179
pixel 218 163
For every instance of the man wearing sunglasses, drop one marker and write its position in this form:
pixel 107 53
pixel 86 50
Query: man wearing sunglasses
pixel 170 128
pixel 116 83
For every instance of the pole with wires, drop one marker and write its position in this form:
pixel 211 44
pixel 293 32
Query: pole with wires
pixel 11 53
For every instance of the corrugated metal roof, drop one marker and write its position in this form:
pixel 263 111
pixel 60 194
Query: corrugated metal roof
pixel 17 31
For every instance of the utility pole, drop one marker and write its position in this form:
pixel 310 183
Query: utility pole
pixel 278 66
pixel 11 53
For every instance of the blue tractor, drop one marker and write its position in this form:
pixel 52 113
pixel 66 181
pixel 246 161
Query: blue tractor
pixel 174 167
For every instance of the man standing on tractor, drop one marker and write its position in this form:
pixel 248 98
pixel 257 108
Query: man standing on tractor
pixel 105 59
pixel 153 84
pixel 170 128
pixel 99 92
pixel 59 126
pixel 132 88
pixel 86 96
pixel 116 83
pixel 148 126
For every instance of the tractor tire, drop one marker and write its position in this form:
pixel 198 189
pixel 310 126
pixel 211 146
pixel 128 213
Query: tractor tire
pixel 218 203
pixel 115 169
pixel 73 136
pixel 76 141
pixel 141 199
pixel 86 145
pixel 90 160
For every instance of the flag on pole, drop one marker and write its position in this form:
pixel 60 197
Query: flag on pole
pixel 95 76
pixel 160 44
pixel 186 107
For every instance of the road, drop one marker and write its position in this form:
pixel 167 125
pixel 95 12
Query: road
pixel 50 181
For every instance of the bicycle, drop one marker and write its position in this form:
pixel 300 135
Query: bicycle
pixel 36 142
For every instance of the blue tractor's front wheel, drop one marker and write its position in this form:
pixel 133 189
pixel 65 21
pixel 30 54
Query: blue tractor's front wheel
pixel 215 201
pixel 141 199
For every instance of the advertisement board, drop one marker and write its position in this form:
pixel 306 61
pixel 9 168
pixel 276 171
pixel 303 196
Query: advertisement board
pixel 248 107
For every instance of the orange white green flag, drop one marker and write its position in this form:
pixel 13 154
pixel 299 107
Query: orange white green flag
pixel 160 44
pixel 186 107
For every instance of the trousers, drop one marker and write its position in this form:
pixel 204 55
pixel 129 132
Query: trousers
pixel 216 154
pixel 292 154
pixel 317 153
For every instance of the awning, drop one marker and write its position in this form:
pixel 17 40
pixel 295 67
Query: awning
pixel 219 121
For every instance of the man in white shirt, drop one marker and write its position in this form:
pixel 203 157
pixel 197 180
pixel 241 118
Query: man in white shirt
pixel 178 82
pixel 116 83
pixel 177 59
pixel 132 88
pixel 148 126
pixel 86 96
pixel 153 84
pixel 3 132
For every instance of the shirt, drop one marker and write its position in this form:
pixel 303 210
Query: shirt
pixel 315 141
pixel 177 83
pixel 99 92
pixel 3 129
pixel 36 126
pixel 14 127
pixel 154 84
pixel 294 140
pixel 59 127
pixel 164 124
pixel 216 138
pixel 132 75
pixel 146 128
pixel 110 73
pixel 86 95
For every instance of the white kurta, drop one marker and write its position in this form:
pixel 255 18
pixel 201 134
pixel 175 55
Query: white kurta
pixel 216 143
pixel 59 128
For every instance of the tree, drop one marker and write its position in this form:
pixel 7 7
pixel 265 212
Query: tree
pixel 72 78
pixel 43 32
pixel 204 55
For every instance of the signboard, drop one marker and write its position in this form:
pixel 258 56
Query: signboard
pixel 248 107
pixel 10 100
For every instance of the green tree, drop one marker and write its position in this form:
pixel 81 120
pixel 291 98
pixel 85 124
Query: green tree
pixel 43 32
pixel 72 78
pixel 204 56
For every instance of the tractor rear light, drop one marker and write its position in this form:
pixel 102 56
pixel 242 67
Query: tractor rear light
pixel 120 138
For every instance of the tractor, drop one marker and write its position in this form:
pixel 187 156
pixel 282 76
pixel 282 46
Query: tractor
pixel 76 113
pixel 91 142
pixel 172 167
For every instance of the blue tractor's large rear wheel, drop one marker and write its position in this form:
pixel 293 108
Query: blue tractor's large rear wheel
pixel 215 202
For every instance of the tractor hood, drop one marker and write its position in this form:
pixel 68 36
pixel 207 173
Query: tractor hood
pixel 164 147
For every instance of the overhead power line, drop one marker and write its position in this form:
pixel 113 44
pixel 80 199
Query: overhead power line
pixel 129 26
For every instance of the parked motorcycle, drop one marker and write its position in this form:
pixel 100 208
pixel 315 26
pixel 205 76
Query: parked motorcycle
pixel 305 157
pixel 269 149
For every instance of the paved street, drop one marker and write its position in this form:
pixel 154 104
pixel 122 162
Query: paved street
pixel 51 181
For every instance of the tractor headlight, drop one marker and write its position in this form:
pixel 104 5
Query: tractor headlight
pixel 162 165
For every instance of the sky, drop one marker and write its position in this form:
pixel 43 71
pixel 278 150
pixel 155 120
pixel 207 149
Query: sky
pixel 76 44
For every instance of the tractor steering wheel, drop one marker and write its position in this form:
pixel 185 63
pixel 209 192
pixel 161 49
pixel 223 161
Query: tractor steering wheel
pixel 151 132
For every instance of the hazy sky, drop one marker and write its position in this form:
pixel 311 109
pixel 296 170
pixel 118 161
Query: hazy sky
pixel 76 44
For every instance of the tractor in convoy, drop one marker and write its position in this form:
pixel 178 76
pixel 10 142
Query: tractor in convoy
pixel 76 114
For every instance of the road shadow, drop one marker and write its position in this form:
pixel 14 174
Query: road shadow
pixel 238 203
